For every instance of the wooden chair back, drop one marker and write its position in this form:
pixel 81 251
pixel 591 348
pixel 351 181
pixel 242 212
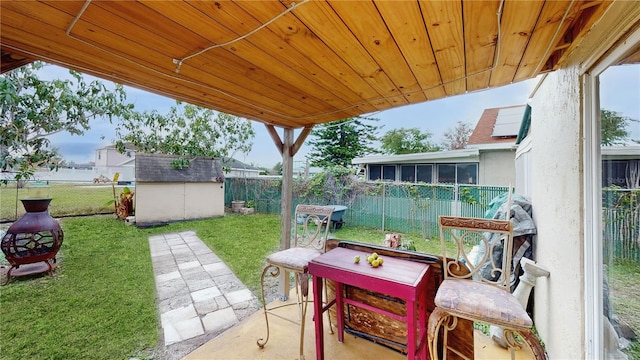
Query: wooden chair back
pixel 486 263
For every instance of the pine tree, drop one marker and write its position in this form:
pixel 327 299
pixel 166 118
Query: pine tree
pixel 339 142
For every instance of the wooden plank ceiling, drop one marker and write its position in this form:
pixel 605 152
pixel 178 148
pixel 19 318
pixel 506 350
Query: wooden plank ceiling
pixel 298 64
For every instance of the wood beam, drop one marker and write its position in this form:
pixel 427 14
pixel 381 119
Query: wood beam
pixel 300 140
pixel 298 143
pixel 287 206
pixel 274 136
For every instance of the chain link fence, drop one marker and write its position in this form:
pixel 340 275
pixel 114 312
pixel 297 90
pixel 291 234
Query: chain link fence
pixel 401 207
pixel 69 198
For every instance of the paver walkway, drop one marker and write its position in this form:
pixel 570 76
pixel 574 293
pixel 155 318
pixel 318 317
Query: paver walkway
pixel 199 297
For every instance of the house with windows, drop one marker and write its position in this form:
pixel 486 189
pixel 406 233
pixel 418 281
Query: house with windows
pixel 488 159
pixel 109 161
pixel 621 166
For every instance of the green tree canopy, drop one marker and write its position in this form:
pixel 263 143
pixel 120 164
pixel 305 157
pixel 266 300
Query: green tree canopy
pixel 33 109
pixel 613 127
pixel 187 130
pixel 339 142
pixel 407 141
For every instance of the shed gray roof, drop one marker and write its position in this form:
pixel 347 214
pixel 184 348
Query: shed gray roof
pixel 158 168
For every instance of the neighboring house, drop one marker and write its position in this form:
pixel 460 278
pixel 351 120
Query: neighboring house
pixel 237 169
pixel 304 169
pixel 109 156
pixel 487 160
pixel 495 137
pixel 455 166
pixel 109 162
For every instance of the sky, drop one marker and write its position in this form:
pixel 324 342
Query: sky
pixel 620 91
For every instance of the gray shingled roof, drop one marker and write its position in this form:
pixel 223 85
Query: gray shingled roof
pixel 158 168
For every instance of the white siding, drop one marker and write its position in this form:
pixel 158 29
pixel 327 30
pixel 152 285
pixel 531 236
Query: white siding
pixel 524 157
pixel 497 168
pixel 557 199
pixel 173 201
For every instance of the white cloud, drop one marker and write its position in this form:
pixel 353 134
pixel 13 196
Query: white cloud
pixel 621 91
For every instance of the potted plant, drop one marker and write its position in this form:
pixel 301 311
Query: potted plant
pixel 123 203
pixel 249 208
pixel 236 205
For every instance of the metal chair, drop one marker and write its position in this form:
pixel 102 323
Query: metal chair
pixel 311 230
pixel 483 294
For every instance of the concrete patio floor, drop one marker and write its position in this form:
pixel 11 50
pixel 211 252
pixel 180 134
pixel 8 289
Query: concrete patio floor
pixel 239 342
pixel 201 299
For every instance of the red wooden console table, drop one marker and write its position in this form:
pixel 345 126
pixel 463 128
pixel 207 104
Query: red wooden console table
pixel 398 278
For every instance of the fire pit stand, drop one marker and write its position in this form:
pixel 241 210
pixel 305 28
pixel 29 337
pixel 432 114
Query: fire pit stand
pixel 31 243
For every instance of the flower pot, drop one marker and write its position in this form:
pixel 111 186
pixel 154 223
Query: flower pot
pixel 236 205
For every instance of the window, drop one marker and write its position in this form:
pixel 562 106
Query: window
pixel 618 172
pixel 389 172
pixel 408 173
pixel 382 172
pixel 416 173
pixel 604 288
pixel 424 173
pixel 446 173
pixel 375 172
pixel 465 173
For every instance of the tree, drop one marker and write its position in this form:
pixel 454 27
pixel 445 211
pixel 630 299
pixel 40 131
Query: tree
pixel 187 130
pixel 277 169
pixel 457 137
pixel 613 127
pixel 407 141
pixel 33 109
pixel 339 142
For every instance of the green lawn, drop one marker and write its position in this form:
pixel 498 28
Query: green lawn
pixel 99 305
pixel 624 282
pixel 68 199
pixel 101 302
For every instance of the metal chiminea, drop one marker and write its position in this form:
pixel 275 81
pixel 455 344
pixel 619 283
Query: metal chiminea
pixel 31 243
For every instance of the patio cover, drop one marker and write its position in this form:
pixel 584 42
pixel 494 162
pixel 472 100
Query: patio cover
pixel 296 64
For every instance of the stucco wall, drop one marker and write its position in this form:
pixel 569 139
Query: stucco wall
pixel 497 168
pixel 557 200
pixel 172 201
